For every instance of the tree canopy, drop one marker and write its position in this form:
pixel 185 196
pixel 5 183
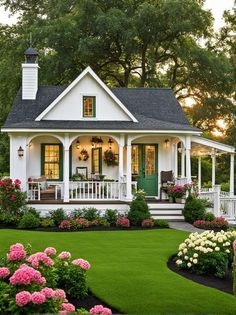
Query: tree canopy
pixel 130 43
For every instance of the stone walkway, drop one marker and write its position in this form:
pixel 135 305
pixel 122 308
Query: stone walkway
pixel 184 226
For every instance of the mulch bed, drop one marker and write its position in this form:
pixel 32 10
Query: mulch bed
pixel 225 284
pixel 91 228
pixel 89 301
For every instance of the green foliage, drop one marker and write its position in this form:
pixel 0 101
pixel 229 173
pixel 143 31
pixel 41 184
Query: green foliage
pixel 75 214
pixel 209 216
pixel 47 222
pixel 29 221
pixel 234 278
pixel 194 209
pixel 9 219
pixel 58 215
pixel 111 216
pixel 161 223
pixel 138 209
pixel 91 214
pixel 73 280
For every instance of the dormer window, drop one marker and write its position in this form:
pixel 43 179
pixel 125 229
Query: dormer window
pixel 89 106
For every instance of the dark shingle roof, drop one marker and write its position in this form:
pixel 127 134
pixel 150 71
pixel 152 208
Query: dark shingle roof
pixel 155 109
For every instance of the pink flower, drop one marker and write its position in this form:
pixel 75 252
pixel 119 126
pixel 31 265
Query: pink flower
pixel 23 298
pixel 60 294
pixel 38 258
pixel 64 255
pixel 17 182
pixel 99 309
pixel 123 222
pixel 50 251
pixel 84 264
pixel 68 307
pixel 48 292
pixel 26 275
pixel 234 245
pixel 17 246
pixel 16 255
pixel 4 272
pixel 38 298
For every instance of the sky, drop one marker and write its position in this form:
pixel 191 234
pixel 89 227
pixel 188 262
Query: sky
pixel 216 6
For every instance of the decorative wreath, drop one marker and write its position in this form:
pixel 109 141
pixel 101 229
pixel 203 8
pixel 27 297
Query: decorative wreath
pixel 84 155
pixel 110 158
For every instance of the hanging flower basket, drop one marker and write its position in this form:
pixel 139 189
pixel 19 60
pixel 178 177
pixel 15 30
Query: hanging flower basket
pixel 110 158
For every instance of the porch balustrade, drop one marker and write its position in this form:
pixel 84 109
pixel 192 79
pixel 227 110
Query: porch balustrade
pixel 94 190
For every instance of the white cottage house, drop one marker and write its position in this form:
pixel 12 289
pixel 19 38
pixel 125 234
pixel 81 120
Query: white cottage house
pixel 63 138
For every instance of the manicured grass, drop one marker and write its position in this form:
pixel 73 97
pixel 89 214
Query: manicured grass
pixel 129 270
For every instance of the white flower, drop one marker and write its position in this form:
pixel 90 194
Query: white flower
pixel 185 250
pixel 195 261
pixel 186 257
pixel 217 249
pixel 227 251
pixel 220 240
pixel 179 262
pixel 180 253
pixel 213 245
pixel 191 259
pixel 195 255
pixel 189 265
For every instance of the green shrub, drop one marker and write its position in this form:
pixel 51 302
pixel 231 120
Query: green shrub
pixel 91 214
pixel 29 221
pixel 7 218
pixel 234 279
pixel 32 210
pixel 58 215
pixel 47 222
pixel 161 223
pixel 138 209
pixel 72 279
pixel 75 214
pixel 111 216
pixel 194 209
pixel 209 216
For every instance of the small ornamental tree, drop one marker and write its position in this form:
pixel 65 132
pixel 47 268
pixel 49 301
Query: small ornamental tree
pixel 11 197
pixel 139 210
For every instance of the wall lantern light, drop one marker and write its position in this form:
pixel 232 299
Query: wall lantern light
pixel 167 142
pixel 110 141
pixel 77 144
pixel 20 152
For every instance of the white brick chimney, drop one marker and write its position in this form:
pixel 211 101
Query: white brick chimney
pixel 30 75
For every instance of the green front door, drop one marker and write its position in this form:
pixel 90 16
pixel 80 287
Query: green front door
pixel 147 160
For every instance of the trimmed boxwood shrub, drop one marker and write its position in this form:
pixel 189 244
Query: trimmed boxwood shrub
pixel 29 221
pixel 161 223
pixel 111 216
pixel 194 209
pixel 139 210
pixel 58 215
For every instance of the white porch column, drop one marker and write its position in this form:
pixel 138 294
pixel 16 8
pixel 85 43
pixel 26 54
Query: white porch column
pixel 213 174
pixel 188 159
pixel 66 168
pixel 199 172
pixel 231 174
pixel 182 160
pixel 176 160
pixel 128 171
pixel 121 157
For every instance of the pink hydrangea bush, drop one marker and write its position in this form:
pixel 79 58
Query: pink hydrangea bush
pixel 100 310
pixel 123 222
pixel 40 282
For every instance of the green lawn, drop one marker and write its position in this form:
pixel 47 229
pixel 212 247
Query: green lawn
pixel 129 270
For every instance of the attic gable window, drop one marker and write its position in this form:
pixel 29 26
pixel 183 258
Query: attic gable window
pixel 89 106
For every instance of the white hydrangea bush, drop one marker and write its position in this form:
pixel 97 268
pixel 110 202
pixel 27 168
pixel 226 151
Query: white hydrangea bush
pixel 207 252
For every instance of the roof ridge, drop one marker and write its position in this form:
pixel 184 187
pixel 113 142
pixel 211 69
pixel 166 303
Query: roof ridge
pixel 141 88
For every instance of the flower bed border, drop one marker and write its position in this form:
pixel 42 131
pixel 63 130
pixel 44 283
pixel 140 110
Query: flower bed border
pixel 225 284
pixel 86 229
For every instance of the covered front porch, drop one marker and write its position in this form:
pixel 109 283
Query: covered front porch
pixel 98 166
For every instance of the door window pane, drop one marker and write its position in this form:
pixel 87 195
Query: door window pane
pixel 150 158
pixel 135 159
pixel 96 161
pixel 52 161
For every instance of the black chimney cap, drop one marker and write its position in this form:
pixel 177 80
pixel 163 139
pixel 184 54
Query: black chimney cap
pixel 31 55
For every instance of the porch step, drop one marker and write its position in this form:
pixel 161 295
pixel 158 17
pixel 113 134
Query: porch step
pixel 172 213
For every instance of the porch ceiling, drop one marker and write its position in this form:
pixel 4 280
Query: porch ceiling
pixel 203 146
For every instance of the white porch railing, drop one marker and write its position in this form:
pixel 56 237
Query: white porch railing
pixel 94 190
pixel 221 203
pixel 35 192
pixel 181 181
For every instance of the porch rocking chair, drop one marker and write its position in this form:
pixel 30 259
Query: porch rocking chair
pixel 167 178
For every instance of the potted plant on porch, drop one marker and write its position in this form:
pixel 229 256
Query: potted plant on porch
pixel 176 193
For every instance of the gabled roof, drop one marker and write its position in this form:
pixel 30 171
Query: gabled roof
pixel 155 109
pixel 88 70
